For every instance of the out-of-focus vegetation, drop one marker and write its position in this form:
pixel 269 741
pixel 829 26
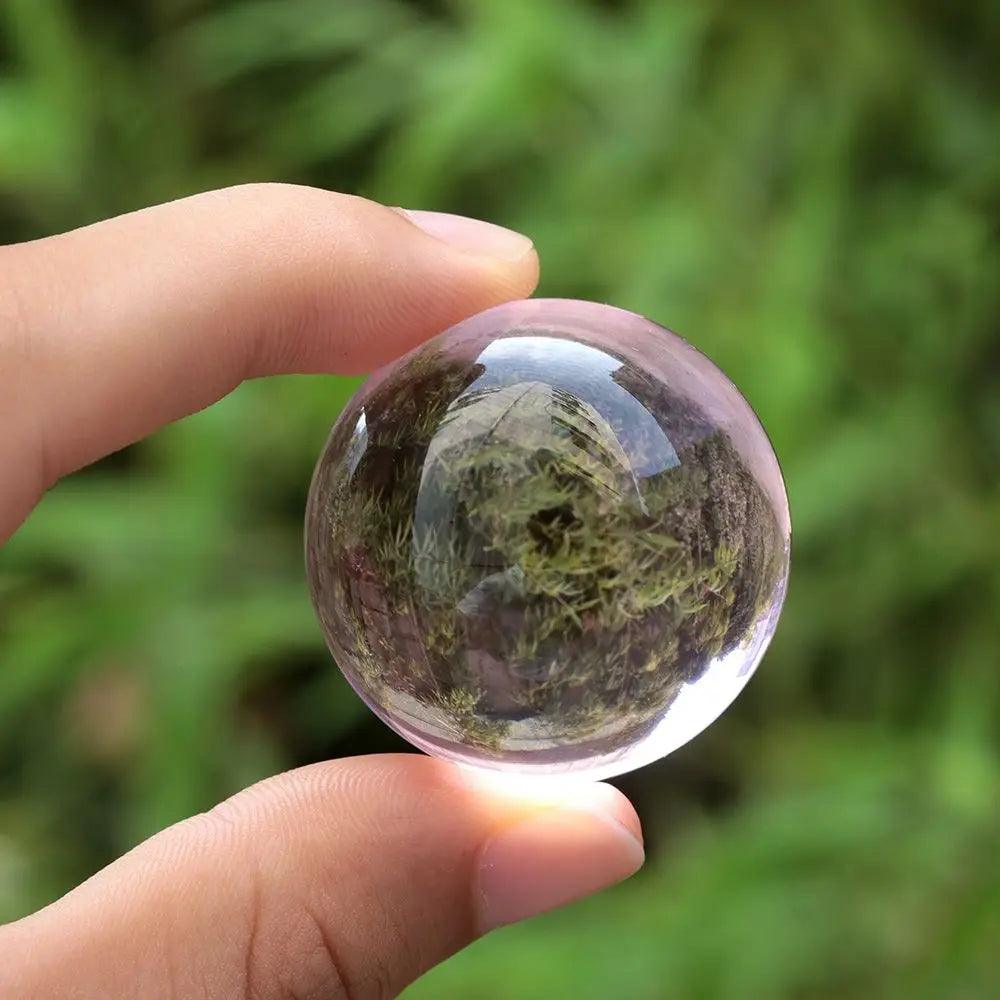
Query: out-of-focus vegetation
pixel 811 193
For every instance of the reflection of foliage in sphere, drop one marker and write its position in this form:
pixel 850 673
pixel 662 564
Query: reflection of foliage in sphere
pixel 531 536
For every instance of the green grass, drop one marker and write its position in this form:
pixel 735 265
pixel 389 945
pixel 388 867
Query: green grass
pixel 809 193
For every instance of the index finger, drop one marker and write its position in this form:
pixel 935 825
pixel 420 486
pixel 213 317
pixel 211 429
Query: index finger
pixel 110 331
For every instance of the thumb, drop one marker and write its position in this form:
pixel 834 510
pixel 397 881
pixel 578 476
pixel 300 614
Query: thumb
pixel 346 879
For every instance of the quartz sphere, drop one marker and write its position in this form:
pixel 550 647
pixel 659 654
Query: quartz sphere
pixel 553 539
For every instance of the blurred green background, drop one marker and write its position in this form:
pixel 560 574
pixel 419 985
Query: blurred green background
pixel 810 192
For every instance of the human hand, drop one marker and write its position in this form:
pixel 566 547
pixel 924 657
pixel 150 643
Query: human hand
pixel 343 879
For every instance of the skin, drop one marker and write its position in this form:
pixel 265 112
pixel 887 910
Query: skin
pixel 345 879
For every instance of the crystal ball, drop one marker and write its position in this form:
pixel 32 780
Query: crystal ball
pixel 554 539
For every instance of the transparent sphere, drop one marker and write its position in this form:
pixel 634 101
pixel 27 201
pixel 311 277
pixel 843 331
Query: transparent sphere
pixel 553 539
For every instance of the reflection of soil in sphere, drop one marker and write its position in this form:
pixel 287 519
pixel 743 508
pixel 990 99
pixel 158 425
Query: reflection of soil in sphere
pixel 533 538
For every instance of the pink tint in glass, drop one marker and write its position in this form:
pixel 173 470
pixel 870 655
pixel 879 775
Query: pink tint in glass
pixel 554 539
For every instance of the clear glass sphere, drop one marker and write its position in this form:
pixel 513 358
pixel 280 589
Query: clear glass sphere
pixel 553 539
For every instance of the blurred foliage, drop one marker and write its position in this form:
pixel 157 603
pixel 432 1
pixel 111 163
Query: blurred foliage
pixel 810 192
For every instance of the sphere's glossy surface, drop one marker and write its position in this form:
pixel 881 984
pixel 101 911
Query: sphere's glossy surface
pixel 553 539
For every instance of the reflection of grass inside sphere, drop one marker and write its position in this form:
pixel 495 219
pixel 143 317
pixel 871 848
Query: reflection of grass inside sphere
pixel 491 559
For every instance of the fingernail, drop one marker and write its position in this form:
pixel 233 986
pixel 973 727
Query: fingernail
pixel 554 857
pixel 471 235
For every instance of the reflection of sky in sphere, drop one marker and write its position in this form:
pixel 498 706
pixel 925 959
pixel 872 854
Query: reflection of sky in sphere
pixel 583 371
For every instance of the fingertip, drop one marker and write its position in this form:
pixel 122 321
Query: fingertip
pixel 551 841
pixel 551 858
pixel 490 263
pixel 412 274
pixel 609 801
pixel 476 236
